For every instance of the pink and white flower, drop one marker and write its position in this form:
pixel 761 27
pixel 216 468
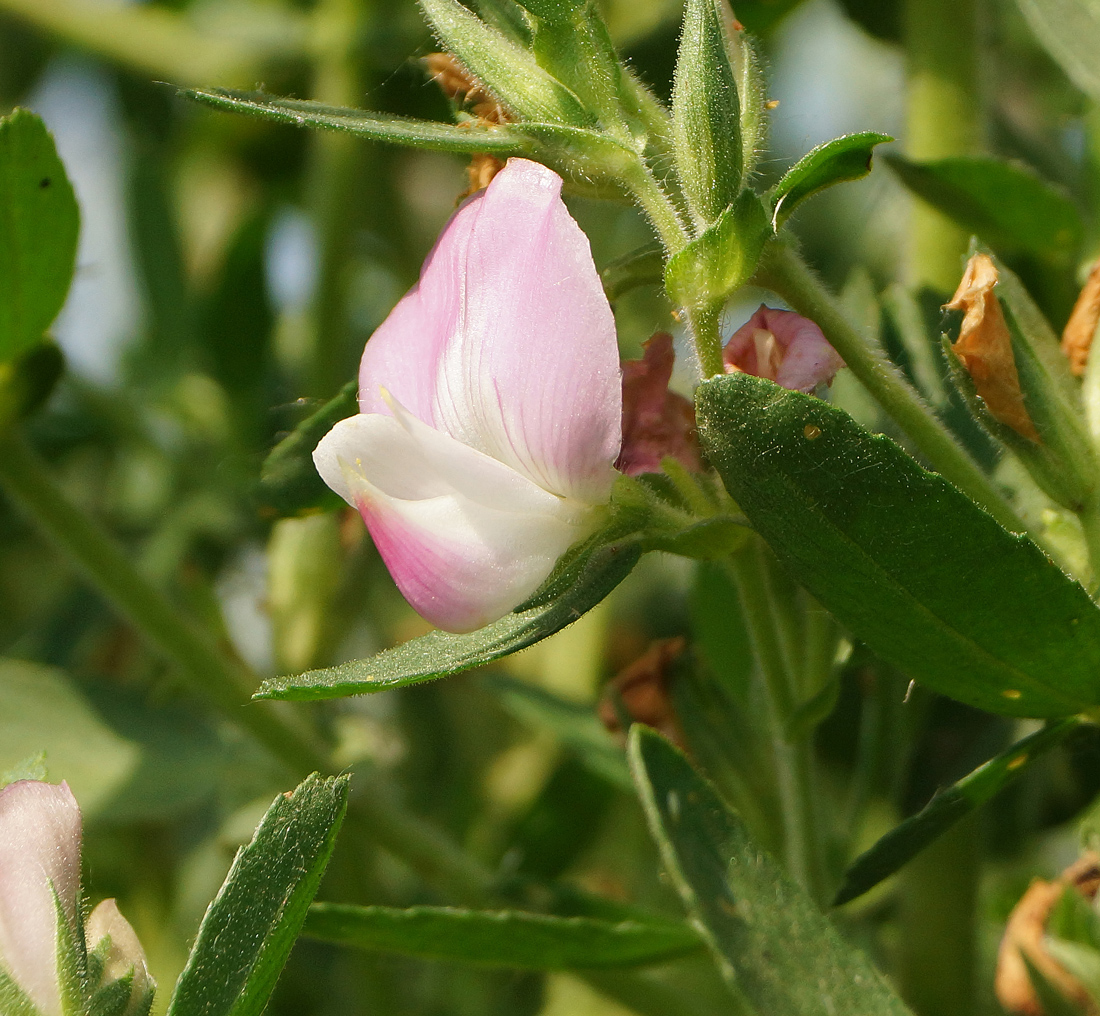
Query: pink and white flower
pixel 40 837
pixel 490 407
pixel 783 347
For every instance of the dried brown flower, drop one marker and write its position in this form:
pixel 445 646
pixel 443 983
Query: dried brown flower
pixel 985 347
pixel 643 691
pixel 1081 326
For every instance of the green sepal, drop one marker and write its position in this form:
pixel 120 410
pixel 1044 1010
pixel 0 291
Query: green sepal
pixel 575 46
pixel 26 382
pixel 721 258
pixel 1080 960
pixel 440 137
pixel 752 97
pixel 13 1000
pixel 554 10
pixel 289 481
pixel 1051 999
pixel 706 114
pixel 112 999
pixel 1005 203
pixel 510 72
pixel 837 161
pixel 771 943
pixel 902 843
pixel 808 716
pixel 577 589
pixel 39 224
pixel 72 962
pixel 900 557
pixel 511 939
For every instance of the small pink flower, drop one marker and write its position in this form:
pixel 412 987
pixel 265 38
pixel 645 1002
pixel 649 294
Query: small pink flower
pixel 39 857
pixel 783 347
pixel 656 422
pixel 490 407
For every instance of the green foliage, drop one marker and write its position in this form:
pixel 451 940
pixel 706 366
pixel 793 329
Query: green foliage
pixel 900 557
pixel 837 161
pixel 440 137
pixel 1005 203
pixel 706 114
pixel 440 654
pixel 39 222
pixel 516 78
pixel 288 480
pixel 902 843
pixel 772 944
pixel 250 927
pixel 1070 31
pixel 506 938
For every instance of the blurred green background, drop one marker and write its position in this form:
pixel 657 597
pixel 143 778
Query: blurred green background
pixel 229 274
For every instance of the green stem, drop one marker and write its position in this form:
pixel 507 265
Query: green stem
pixel 658 207
pixel 146 39
pixel 219 679
pixel 786 274
pixel 705 331
pixel 336 181
pixel 942 119
pixel 794 760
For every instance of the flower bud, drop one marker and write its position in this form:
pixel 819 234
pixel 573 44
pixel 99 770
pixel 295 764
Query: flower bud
pixel 783 347
pixel 111 939
pixel 706 116
pixel 39 886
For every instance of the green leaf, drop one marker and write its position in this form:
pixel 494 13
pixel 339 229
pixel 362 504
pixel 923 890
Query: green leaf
pixel 1070 32
pixel 508 70
pixel 289 481
pixel 441 654
pixel 900 557
pixel 1005 203
pixel 902 843
pixel 844 158
pixel 249 929
pixel 39 223
pixel 706 115
pixel 27 381
pixel 721 258
pixel 575 725
pixel 509 938
pixel 769 940
pixel 440 137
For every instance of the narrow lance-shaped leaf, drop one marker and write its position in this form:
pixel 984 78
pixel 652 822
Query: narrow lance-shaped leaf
pixel 509 939
pixel 770 941
pixel 441 654
pixel 39 222
pixel 1008 205
pixel 900 557
pixel 845 158
pixel 402 130
pixel 902 843
pixel 250 928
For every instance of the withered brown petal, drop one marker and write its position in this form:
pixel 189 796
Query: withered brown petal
pixel 985 347
pixel 1024 935
pixel 1081 326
